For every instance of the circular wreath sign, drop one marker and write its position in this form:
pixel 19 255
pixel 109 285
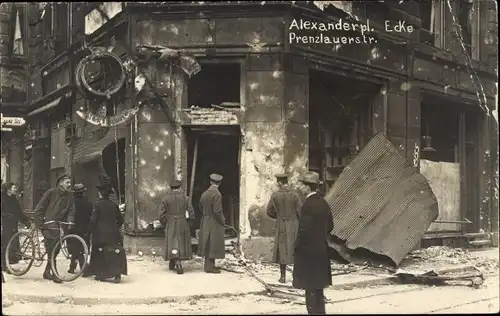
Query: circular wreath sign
pixel 108 121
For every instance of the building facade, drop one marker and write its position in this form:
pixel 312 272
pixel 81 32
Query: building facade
pixel 273 95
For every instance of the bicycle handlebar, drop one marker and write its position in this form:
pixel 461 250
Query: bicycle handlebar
pixel 59 222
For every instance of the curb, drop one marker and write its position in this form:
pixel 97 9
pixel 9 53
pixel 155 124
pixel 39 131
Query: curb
pixel 63 299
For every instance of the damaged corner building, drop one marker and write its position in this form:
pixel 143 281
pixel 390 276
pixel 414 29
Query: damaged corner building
pixel 147 92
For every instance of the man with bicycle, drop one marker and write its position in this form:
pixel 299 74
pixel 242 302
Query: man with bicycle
pixel 56 205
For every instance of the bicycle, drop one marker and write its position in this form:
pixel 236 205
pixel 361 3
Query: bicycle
pixel 30 250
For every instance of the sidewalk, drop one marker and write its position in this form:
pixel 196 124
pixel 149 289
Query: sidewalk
pixel 150 282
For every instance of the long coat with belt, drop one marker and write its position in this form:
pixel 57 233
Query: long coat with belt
pixel 284 206
pixel 211 237
pixel 312 270
pixel 177 230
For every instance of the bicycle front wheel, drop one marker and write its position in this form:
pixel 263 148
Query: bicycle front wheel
pixel 20 254
pixel 69 258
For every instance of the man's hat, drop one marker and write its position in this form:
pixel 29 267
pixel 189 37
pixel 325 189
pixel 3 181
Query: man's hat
pixel 281 176
pixel 216 177
pixel 174 184
pixel 79 188
pixel 105 184
pixel 62 177
pixel 311 177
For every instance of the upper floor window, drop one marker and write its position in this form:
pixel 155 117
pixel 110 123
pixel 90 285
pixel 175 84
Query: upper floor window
pixel 465 22
pixel 217 84
pixel 18 30
pixel 439 24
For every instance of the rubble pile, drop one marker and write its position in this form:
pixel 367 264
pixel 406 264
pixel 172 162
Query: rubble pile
pixel 437 255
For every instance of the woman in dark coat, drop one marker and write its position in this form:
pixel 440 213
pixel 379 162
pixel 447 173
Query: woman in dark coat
pixel 12 214
pixel 312 271
pixel 177 231
pixel 108 258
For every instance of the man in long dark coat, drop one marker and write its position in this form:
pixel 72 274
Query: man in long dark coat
pixel 12 214
pixel 176 210
pixel 284 206
pixel 312 271
pixel 56 205
pixel 83 212
pixel 211 236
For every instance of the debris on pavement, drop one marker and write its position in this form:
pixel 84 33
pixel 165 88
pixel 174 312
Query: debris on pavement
pixel 435 256
pixel 431 277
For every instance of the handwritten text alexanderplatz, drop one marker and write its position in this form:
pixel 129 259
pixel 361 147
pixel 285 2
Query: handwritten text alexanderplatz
pixel 324 33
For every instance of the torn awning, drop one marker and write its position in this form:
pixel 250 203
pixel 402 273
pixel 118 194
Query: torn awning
pixel 87 151
pixel 50 105
pixel 381 203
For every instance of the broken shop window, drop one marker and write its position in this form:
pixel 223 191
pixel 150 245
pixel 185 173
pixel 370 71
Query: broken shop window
pixel 216 84
pixel 340 123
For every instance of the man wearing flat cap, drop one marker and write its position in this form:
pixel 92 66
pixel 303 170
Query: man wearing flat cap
pixel 284 206
pixel 312 271
pixel 211 237
pixel 83 212
pixel 176 210
pixel 55 205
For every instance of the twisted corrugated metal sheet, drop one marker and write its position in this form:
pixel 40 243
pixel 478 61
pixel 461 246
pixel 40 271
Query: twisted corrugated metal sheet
pixel 382 203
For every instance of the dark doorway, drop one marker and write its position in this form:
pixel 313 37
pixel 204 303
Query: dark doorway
pixel 113 160
pixel 218 152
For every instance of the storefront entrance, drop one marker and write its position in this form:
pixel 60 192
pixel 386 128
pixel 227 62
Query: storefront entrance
pixel 214 150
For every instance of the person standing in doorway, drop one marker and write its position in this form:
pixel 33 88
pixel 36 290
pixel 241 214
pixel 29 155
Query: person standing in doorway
pixel 83 211
pixel 211 237
pixel 12 214
pixel 56 205
pixel 284 206
pixel 108 258
pixel 176 210
pixel 312 271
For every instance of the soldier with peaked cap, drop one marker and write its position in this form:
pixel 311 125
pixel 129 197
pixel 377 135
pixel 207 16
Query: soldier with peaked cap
pixel 284 206
pixel 176 210
pixel 312 271
pixel 211 236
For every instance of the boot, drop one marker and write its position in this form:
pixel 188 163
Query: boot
pixel 171 265
pixel 72 267
pixel 178 267
pixel 210 266
pixel 282 273
pixel 118 278
pixel 47 275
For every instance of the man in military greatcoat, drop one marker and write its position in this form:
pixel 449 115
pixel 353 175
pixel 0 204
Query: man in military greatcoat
pixel 284 206
pixel 176 210
pixel 312 271
pixel 211 237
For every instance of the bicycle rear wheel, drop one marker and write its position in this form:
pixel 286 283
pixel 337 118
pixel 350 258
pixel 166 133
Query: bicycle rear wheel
pixel 20 253
pixel 61 257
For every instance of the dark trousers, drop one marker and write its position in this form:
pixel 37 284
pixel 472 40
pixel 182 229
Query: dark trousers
pixel 315 302
pixel 77 253
pixel 209 264
pixel 49 247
